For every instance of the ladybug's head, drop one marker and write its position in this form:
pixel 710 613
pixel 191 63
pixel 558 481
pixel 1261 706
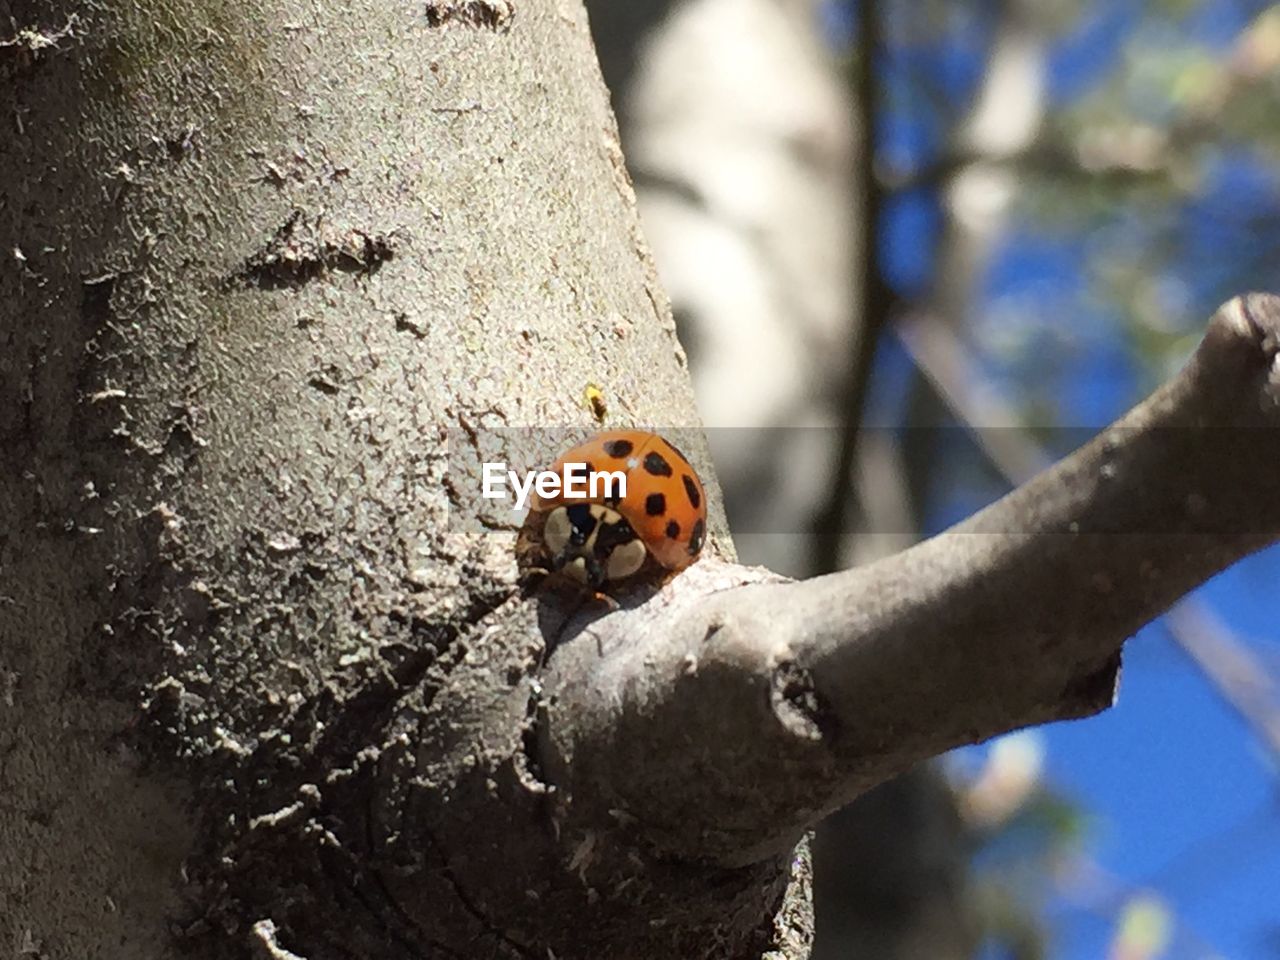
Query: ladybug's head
pixel 592 543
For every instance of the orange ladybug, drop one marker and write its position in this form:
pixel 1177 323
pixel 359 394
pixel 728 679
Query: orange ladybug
pixel 606 536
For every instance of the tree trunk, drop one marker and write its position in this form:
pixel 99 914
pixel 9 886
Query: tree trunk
pixel 265 264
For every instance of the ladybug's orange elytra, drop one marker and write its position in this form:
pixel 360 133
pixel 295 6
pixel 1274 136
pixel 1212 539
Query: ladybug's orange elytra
pixel 661 521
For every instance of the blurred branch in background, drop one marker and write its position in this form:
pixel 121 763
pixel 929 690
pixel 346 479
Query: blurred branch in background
pixel 1201 863
pixel 874 298
pixel 1231 669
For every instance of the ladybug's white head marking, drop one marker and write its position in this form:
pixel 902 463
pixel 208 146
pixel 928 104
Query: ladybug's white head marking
pixel 625 560
pixel 557 531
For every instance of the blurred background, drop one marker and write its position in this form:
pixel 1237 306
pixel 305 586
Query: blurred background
pixel 916 250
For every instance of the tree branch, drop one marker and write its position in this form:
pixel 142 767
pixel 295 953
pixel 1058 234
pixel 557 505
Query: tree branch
pixel 728 715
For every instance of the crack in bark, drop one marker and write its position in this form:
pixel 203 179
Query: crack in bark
pixel 400 915
pixel 490 14
pixel 529 759
pixel 470 906
pixel 302 250
pixel 407 937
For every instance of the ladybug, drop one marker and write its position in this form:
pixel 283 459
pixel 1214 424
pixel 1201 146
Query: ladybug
pixel 658 525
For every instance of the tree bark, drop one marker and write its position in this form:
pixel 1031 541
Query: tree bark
pixel 273 267
pixel 265 263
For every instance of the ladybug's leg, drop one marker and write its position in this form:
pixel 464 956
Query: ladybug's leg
pixel 613 605
pixel 538 572
pixel 595 572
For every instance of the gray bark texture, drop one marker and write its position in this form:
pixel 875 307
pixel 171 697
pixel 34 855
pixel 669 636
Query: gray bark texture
pixel 262 263
pixel 268 266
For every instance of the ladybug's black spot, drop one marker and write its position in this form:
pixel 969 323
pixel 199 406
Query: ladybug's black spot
pixel 655 464
pixel 673 529
pixel 618 448
pixel 695 541
pixel 612 534
pixel 691 489
pixel 655 504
